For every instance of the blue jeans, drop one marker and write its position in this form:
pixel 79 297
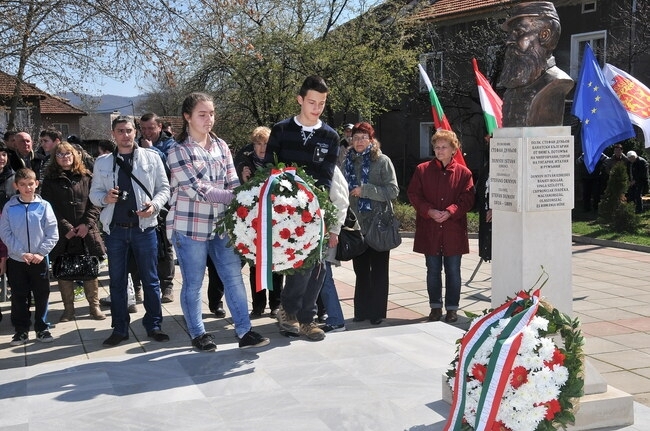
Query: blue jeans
pixel 192 256
pixel 330 298
pixel 144 246
pixel 452 280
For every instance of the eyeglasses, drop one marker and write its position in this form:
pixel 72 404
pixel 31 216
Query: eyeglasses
pixel 360 138
pixel 63 155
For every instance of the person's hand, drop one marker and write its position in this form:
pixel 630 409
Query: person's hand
pixel 334 240
pixel 356 191
pixel 146 210
pixel 81 230
pixel 246 173
pixel 30 258
pixel 146 143
pixel 439 216
pixel 112 196
pixel 71 233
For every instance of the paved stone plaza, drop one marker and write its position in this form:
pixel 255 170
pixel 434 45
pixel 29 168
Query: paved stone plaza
pixel 385 377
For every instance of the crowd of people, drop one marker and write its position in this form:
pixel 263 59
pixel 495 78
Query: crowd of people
pixel 151 196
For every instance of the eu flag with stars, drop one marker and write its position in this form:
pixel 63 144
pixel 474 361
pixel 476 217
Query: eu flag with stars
pixel 604 119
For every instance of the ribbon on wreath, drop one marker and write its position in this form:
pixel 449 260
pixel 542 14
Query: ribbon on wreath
pixel 501 360
pixel 264 238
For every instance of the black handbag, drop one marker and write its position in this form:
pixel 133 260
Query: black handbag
pixel 351 243
pixel 76 267
pixel 383 232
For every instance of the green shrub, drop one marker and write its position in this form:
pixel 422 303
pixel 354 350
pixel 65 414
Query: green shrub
pixel 405 213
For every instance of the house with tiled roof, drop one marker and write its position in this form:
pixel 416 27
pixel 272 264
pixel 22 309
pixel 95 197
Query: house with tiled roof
pixel 405 130
pixel 37 109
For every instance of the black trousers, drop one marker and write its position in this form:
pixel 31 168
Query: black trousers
pixel 371 285
pixel 259 298
pixel 24 279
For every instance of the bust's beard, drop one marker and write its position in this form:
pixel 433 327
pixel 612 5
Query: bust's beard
pixel 521 68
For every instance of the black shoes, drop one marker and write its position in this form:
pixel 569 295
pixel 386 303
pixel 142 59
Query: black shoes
pixel 452 316
pixel 204 343
pixel 435 315
pixel 158 335
pixel 219 311
pixel 376 321
pixel 252 339
pixel 114 340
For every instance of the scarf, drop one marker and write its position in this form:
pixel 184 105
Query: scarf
pixel 351 174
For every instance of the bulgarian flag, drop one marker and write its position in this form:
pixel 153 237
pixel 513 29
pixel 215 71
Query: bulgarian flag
pixel 490 101
pixel 439 118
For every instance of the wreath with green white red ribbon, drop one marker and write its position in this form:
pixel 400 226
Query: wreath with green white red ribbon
pixel 522 369
pixel 277 220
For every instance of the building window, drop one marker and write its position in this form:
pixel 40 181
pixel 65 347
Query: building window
pixel 598 42
pixel 432 63
pixel 64 128
pixel 588 6
pixel 23 120
pixel 426 132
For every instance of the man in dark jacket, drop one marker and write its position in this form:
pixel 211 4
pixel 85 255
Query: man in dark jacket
pixel 638 171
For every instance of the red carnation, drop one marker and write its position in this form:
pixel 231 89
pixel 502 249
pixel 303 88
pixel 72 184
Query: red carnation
pixel 280 209
pixel 552 408
pixel 298 264
pixel 306 217
pixel 300 230
pixel 285 233
pixel 499 426
pixel 291 210
pixel 519 376
pixel 242 248
pixel 558 359
pixel 479 371
pixel 242 212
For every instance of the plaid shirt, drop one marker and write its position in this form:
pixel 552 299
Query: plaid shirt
pixel 194 171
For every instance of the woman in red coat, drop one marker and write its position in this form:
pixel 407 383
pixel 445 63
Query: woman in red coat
pixel 442 192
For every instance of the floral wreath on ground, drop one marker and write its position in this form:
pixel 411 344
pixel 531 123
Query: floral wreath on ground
pixel 280 210
pixel 533 383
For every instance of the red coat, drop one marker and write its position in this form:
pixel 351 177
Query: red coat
pixel 448 188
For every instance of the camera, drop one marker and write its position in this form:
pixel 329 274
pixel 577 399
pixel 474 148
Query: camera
pixel 122 195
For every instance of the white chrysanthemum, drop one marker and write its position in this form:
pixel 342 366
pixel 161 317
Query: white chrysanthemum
pixel 285 185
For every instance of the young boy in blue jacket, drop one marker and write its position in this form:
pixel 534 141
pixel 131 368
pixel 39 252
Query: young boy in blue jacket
pixel 28 228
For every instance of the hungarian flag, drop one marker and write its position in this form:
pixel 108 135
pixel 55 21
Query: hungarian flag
pixel 439 118
pixel 490 101
pixel 634 96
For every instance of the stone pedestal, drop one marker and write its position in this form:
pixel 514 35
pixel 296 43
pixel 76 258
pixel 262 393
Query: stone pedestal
pixel 531 196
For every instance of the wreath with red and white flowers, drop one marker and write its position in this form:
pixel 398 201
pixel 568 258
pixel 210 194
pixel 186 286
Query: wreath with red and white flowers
pixel 533 387
pixel 281 212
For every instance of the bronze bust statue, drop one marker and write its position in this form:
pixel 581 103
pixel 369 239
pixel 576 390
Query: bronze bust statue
pixel 535 86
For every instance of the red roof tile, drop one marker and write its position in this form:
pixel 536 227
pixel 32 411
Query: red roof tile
pixel 49 104
pixel 8 85
pixel 58 105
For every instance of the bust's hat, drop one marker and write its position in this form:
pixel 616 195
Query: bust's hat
pixel 535 8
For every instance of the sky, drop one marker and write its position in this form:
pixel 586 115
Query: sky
pixel 106 86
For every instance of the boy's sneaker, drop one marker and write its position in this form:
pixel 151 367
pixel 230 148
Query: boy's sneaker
pixel 19 338
pixel 44 336
pixel 287 322
pixel 204 343
pixel 333 328
pixel 252 339
pixel 312 331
